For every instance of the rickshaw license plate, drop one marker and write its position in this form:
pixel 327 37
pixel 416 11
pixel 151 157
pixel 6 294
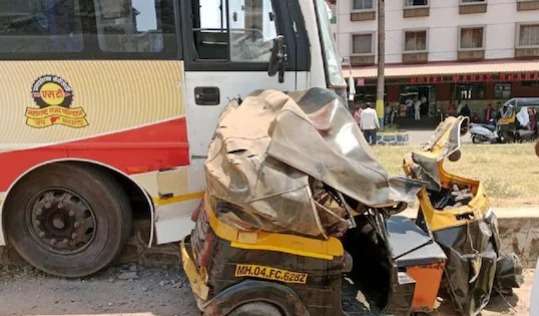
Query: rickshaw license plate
pixel 269 273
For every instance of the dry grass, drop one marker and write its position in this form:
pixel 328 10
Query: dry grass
pixel 510 173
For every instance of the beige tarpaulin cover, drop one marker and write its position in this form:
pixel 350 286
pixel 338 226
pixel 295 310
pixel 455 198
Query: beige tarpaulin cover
pixel 266 150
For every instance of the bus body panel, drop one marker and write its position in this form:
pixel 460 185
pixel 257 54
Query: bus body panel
pixel 138 117
pixel 128 115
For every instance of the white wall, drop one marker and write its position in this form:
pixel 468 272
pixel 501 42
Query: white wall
pixel 500 22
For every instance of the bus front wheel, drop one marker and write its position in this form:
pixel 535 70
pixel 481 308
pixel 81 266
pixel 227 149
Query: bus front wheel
pixel 68 219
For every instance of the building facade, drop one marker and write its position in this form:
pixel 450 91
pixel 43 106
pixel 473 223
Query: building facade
pixel 444 52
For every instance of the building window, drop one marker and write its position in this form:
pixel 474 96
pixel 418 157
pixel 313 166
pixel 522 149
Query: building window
pixel 362 4
pixel 527 5
pixel 472 38
pixel 416 3
pixel 502 91
pixel 363 44
pixel 33 26
pixel 415 41
pixel 528 35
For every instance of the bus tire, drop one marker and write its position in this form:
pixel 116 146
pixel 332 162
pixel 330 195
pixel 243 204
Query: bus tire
pixel 256 309
pixel 68 219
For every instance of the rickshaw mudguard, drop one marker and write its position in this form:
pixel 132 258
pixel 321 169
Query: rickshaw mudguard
pixel 197 280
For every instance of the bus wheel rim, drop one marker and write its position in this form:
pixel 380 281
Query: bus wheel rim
pixel 61 221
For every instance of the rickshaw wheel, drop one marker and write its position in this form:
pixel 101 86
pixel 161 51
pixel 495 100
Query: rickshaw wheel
pixel 256 309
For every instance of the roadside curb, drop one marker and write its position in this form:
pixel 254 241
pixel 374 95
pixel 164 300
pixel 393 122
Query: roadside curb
pixel 394 138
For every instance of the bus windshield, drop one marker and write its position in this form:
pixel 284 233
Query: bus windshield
pixel 332 59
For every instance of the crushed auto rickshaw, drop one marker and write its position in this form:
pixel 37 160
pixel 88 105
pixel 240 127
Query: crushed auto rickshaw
pixel 457 212
pixel 298 211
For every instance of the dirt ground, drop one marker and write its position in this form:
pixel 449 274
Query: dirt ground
pixel 125 290
pixel 131 290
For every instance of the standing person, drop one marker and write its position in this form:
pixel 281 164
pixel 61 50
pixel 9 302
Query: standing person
pixel 460 106
pixel 369 124
pixel 393 115
pixel 464 110
pixel 417 109
pixel 409 108
pixel 424 106
pixel 489 113
pixel 357 115
pixel 475 118
pixel 533 119
pixel 387 115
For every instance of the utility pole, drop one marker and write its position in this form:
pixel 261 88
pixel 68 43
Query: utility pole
pixel 380 92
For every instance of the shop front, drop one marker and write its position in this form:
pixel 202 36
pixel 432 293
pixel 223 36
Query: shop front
pixel 422 95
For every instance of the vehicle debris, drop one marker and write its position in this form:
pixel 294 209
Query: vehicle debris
pixel 457 212
pixel 298 210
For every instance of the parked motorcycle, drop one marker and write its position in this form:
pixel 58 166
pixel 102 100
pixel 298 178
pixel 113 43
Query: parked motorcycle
pixel 484 133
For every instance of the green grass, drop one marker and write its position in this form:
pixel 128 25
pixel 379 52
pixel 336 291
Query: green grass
pixel 510 173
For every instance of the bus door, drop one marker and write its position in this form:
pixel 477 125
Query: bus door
pixel 227 48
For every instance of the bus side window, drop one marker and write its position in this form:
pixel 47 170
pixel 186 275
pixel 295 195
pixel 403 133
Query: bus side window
pixel 133 26
pixel 252 30
pixel 244 35
pixel 210 29
pixel 40 26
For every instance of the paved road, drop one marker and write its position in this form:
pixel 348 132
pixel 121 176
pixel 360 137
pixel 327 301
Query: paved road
pixel 131 290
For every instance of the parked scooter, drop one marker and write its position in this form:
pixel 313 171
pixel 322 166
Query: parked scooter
pixel 484 133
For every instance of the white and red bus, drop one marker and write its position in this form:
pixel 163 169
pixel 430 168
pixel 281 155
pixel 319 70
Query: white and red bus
pixel 108 107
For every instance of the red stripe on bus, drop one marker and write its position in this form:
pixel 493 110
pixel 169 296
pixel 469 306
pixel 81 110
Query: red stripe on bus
pixel 149 148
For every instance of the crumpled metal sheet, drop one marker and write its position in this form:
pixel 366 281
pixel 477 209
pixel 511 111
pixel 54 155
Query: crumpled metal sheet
pixel 445 141
pixel 266 150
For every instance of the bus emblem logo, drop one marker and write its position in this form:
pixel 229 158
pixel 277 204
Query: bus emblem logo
pixel 54 97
